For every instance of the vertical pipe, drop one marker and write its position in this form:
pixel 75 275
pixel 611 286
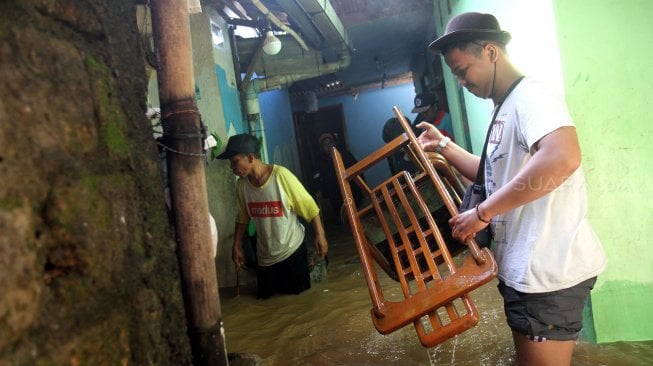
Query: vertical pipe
pixel 183 137
pixel 235 59
pixel 252 64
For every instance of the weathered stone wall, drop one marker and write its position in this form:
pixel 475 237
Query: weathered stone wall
pixel 88 269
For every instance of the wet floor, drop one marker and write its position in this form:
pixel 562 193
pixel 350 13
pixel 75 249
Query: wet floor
pixel 330 324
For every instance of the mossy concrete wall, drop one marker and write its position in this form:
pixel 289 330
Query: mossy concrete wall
pixel 606 49
pixel 88 269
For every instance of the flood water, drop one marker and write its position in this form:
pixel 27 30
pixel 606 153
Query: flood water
pixel 330 324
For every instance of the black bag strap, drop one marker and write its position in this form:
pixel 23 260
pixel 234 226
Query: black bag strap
pixel 480 174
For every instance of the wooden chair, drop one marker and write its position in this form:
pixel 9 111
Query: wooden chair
pixel 435 289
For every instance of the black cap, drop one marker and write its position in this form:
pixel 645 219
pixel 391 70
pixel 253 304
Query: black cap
pixel 392 128
pixel 470 27
pixel 240 144
pixel 423 101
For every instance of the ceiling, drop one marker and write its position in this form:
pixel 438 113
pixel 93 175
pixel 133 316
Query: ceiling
pixel 383 38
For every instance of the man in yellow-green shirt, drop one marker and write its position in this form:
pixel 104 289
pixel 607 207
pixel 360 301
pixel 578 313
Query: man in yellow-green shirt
pixel 273 198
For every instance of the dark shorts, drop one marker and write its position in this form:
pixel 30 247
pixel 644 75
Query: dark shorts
pixel 556 315
pixel 289 276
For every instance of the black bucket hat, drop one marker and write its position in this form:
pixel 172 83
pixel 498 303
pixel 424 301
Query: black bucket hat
pixel 240 144
pixel 470 27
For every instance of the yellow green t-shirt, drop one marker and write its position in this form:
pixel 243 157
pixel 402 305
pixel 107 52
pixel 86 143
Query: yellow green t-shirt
pixel 274 207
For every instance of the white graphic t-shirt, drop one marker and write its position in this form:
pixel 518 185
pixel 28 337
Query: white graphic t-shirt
pixel 547 244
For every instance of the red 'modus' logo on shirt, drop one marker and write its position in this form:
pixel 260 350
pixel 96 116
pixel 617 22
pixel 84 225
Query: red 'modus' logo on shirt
pixel 265 209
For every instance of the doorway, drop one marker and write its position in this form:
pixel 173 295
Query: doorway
pixel 308 128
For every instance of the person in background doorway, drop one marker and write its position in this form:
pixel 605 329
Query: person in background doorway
pixel 273 198
pixel 325 178
pixel 427 107
pixel 398 161
pixel 547 252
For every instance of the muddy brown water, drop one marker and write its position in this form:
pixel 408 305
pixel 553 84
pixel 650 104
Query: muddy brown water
pixel 330 324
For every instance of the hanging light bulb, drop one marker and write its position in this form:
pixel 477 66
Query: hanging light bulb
pixel 271 44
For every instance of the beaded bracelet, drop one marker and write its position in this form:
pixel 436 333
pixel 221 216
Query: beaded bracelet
pixel 478 214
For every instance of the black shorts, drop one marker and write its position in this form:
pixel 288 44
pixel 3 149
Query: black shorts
pixel 289 276
pixel 556 315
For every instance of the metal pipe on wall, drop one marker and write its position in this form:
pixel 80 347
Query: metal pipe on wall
pixel 183 138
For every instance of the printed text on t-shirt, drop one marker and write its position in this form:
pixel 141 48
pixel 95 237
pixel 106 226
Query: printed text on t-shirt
pixel 265 209
pixel 497 132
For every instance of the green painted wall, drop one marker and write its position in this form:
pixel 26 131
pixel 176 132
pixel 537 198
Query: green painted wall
pixel 606 49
